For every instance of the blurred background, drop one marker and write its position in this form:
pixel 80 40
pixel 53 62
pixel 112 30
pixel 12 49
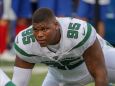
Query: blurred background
pixel 15 15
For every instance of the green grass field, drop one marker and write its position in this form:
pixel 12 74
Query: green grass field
pixel 36 79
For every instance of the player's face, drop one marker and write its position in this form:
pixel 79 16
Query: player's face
pixel 45 33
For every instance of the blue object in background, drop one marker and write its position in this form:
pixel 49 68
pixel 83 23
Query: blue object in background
pixel 110 24
pixel 1 8
pixel 110 31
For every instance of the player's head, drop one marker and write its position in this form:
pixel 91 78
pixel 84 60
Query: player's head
pixel 45 27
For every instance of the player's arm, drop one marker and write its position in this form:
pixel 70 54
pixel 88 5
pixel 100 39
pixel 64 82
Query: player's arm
pixel 5 80
pixel 94 60
pixel 22 72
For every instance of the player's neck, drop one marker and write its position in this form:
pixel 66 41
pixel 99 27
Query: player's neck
pixel 53 48
pixel 57 38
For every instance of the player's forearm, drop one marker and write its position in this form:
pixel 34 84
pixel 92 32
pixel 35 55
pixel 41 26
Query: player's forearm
pixel 21 76
pixel 101 81
pixel 100 77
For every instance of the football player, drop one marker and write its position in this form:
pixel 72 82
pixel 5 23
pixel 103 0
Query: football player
pixel 75 54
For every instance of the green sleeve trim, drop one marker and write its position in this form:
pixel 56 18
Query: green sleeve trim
pixel 22 51
pixel 10 83
pixel 89 30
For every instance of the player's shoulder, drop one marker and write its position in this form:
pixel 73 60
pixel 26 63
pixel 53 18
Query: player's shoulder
pixel 77 29
pixel 70 19
pixel 83 29
pixel 78 33
pixel 86 33
pixel 25 37
pixel 25 42
pixel 72 23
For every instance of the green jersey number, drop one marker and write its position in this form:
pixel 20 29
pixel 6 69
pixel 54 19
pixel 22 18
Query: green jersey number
pixel 28 37
pixel 73 30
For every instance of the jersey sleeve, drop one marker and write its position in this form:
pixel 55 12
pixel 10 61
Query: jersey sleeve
pixel 23 48
pixel 90 36
pixel 78 35
pixel 86 37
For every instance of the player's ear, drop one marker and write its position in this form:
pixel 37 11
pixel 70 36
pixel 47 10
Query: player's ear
pixel 57 25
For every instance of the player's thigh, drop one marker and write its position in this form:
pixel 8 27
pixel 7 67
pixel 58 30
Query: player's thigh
pixel 50 81
pixel 81 82
pixel 109 54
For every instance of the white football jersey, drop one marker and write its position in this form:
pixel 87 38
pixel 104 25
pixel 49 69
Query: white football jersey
pixel 65 59
pixel 76 37
pixel 67 62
